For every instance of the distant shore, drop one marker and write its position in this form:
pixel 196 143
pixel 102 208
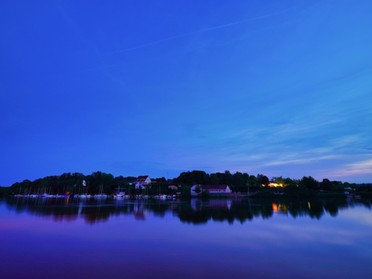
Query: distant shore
pixel 100 185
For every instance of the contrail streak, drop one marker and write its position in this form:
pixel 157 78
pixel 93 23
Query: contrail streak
pixel 203 30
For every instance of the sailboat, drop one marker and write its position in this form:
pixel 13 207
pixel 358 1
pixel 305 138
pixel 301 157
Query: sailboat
pixel 86 195
pixel 101 195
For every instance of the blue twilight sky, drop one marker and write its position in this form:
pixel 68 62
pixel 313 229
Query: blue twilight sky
pixel 159 87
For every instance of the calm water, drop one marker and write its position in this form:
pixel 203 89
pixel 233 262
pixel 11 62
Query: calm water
pixel 193 239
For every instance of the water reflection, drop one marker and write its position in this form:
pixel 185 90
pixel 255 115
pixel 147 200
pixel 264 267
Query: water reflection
pixel 194 211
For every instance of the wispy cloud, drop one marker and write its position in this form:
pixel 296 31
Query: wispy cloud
pixel 356 168
pixel 298 159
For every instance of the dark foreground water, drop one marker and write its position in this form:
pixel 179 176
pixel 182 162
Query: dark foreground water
pixel 193 239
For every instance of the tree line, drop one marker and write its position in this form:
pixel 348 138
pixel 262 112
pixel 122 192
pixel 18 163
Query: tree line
pixel 101 182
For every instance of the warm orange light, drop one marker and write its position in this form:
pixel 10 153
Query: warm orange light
pixel 273 184
pixel 275 207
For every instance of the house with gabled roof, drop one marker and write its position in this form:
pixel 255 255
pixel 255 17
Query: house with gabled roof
pixel 142 182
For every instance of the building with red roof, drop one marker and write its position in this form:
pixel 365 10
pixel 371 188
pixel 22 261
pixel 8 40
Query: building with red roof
pixel 198 189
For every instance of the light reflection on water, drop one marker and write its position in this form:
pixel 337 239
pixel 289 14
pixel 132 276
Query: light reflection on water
pixel 186 239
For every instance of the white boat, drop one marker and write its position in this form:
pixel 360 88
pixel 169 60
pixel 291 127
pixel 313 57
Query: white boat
pixel 61 196
pixel 119 195
pixel 100 196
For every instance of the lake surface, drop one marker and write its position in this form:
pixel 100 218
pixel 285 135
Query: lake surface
pixel 66 238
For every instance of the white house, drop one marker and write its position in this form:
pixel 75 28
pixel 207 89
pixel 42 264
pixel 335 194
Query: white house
pixel 173 187
pixel 210 189
pixel 142 182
